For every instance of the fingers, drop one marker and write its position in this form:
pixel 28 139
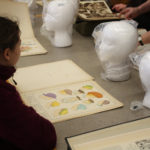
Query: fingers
pixel 118 7
pixel 115 7
pixel 130 12
pixel 127 13
pixel 128 16
pixel 124 11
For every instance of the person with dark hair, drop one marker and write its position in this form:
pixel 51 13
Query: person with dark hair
pixel 20 126
pixel 138 10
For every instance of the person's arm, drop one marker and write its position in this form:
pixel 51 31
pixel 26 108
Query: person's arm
pixel 145 7
pixel 22 126
pixel 133 12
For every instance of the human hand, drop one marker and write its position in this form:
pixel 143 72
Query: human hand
pixel 119 7
pixel 130 12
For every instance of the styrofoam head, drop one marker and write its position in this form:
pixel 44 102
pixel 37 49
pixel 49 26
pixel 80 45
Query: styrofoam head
pixel 144 70
pixel 60 14
pixel 118 39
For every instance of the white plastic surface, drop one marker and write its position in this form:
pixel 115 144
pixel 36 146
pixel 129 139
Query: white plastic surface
pixel 144 71
pixel 58 19
pixel 114 42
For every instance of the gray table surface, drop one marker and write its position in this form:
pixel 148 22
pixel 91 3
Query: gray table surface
pixel 82 52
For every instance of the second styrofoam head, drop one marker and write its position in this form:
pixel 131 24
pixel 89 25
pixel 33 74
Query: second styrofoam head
pixel 114 42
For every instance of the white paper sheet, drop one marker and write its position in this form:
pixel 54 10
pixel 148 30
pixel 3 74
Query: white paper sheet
pixel 49 75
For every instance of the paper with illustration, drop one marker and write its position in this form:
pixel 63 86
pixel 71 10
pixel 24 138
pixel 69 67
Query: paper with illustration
pixel 136 140
pixel 62 90
pixel 134 135
pixel 96 10
pixel 19 11
pixel 71 101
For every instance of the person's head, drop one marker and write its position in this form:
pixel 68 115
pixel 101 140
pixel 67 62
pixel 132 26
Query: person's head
pixel 9 42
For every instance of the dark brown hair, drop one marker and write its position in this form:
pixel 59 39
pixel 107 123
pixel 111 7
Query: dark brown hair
pixel 9 34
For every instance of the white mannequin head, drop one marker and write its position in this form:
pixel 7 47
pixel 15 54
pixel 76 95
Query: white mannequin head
pixel 116 41
pixel 144 71
pixel 58 21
